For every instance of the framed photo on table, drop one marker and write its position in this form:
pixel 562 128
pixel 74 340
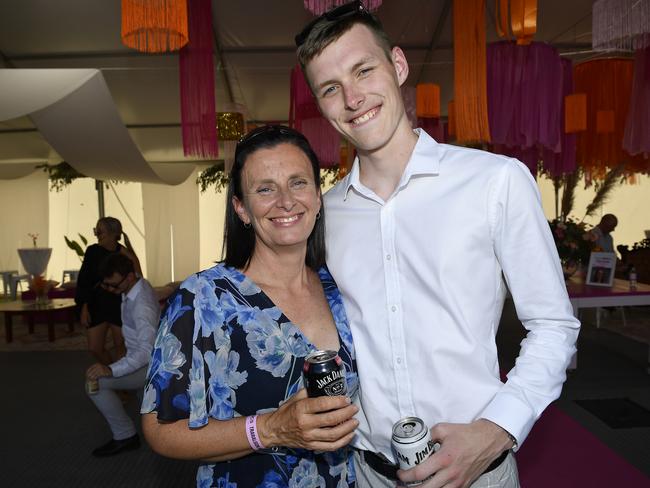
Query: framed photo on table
pixel 601 268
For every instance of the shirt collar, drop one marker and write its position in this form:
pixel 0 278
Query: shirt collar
pixel 133 292
pixel 424 160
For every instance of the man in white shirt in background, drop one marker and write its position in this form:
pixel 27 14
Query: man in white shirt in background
pixel 420 237
pixel 140 315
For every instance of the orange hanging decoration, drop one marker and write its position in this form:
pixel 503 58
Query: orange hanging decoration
pixel 451 118
pixel 575 113
pixel 517 17
pixel 154 26
pixel 608 86
pixel 427 100
pixel 470 71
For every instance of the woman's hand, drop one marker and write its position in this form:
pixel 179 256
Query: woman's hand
pixel 319 424
pixel 84 318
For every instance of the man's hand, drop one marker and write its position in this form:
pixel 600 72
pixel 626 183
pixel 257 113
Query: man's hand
pixel 465 451
pixel 98 370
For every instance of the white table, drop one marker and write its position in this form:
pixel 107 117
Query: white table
pixel 618 295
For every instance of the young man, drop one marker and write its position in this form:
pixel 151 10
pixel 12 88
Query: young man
pixel 140 315
pixel 420 237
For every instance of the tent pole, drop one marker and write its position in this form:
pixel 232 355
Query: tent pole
pixel 99 186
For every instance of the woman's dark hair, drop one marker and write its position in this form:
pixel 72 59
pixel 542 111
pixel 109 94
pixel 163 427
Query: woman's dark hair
pixel 239 241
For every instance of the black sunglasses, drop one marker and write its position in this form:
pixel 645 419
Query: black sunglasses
pixel 340 12
pixel 266 129
pixel 112 286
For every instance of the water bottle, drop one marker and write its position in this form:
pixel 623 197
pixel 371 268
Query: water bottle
pixel 632 278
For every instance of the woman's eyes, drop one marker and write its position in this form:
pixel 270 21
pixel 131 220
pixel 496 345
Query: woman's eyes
pixel 271 190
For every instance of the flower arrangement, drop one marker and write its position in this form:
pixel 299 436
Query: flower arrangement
pixel 573 241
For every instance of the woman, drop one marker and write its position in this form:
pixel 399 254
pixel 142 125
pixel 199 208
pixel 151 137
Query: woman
pixel 99 310
pixel 224 383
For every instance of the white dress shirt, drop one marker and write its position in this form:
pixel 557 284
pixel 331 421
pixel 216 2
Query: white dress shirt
pixel 422 280
pixel 140 315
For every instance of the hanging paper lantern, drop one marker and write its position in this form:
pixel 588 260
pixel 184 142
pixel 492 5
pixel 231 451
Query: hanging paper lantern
pixel 154 26
pixel 428 100
pixel 620 25
pixel 605 122
pixel 517 18
pixel 575 113
pixel 319 7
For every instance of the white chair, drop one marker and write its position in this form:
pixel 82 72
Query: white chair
pixel 6 280
pixel 15 283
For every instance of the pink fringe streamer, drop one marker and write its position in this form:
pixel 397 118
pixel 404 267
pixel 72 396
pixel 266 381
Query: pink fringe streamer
pixel 198 113
pixel 319 7
pixel 305 117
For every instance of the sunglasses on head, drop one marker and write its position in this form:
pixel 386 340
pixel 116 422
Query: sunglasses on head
pixel 267 129
pixel 340 12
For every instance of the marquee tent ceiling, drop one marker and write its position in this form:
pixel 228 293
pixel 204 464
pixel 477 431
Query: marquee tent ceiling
pixel 254 54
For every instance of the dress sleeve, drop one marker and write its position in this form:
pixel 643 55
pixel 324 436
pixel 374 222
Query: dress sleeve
pixel 85 279
pixel 528 257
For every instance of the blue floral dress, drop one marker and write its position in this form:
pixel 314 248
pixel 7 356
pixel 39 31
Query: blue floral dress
pixel 225 350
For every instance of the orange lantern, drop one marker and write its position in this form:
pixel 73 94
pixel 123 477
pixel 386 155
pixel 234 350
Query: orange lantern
pixel 517 17
pixel 427 100
pixel 605 122
pixel 154 26
pixel 575 113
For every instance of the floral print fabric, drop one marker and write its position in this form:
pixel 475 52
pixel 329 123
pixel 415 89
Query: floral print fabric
pixel 225 350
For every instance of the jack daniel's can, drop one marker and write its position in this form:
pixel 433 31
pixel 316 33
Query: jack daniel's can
pixel 324 374
pixel 412 443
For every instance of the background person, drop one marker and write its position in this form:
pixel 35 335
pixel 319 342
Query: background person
pixel 99 310
pixel 224 384
pixel 140 314
pixel 420 236
pixel 603 232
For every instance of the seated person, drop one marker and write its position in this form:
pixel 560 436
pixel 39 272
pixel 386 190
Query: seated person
pixel 603 230
pixel 140 314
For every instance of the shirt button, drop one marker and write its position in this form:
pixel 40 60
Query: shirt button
pixel 399 360
pixel 388 257
pixel 394 308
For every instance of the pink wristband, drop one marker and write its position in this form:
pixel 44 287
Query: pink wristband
pixel 251 433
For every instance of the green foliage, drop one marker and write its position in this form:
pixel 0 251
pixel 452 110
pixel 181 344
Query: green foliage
pixel 217 177
pixel 60 175
pixel 76 247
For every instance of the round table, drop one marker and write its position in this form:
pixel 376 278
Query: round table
pixel 31 309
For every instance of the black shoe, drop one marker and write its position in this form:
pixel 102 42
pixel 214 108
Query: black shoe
pixel 113 447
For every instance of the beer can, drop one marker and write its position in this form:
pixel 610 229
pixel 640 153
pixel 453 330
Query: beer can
pixel 324 374
pixel 412 442
pixel 92 386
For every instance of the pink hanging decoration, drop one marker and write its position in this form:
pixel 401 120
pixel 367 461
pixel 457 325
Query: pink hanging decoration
pixel 319 7
pixel 305 117
pixel 636 139
pixel 620 25
pixel 196 66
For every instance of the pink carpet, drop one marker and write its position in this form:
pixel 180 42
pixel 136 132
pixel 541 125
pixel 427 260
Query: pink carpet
pixel 560 453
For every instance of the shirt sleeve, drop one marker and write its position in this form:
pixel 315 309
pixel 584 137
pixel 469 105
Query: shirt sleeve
pixel 528 257
pixel 145 315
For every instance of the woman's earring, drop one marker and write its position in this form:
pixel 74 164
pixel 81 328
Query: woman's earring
pixel 247 225
pixel 318 215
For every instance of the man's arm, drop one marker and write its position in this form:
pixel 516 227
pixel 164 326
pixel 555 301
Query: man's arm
pixel 526 252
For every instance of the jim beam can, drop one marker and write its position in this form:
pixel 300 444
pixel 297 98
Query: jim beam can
pixel 92 386
pixel 412 444
pixel 324 374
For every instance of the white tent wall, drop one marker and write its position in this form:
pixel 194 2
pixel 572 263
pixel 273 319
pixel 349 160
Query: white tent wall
pixel 629 202
pixel 74 211
pixel 212 208
pixel 24 210
pixel 170 209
